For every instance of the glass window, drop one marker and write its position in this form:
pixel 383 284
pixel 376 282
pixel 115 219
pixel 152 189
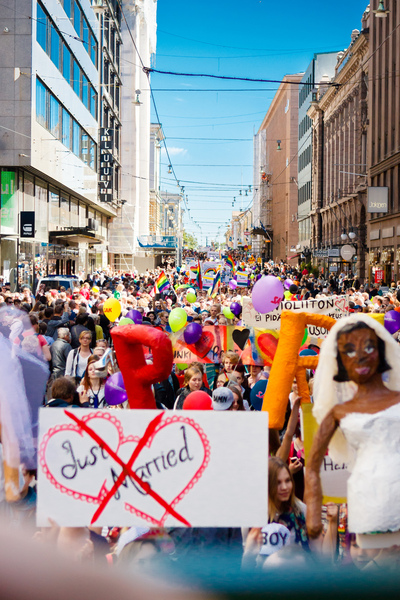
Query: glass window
pixel 93 102
pixel 29 192
pixel 64 211
pixel 76 76
pixel 66 128
pixel 66 63
pixel 75 138
pixel 54 117
pixel 82 215
pixel 93 49
pixel 74 213
pixel 41 94
pixel 84 147
pixel 41 27
pixel 92 154
pixel 55 47
pixel 67 8
pixel 85 90
pixel 85 34
pixel 77 18
pixel 41 210
pixel 54 200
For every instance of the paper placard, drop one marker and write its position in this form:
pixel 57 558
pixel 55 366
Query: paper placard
pixel 152 468
pixel 333 475
pixel 332 306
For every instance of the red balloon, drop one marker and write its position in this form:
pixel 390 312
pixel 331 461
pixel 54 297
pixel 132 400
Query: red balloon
pixel 197 401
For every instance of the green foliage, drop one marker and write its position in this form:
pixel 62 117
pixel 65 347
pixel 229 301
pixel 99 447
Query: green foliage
pixel 189 241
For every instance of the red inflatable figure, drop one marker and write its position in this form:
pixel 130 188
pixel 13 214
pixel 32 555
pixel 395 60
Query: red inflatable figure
pixel 139 376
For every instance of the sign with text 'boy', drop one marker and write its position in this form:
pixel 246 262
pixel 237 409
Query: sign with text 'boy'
pixel 152 468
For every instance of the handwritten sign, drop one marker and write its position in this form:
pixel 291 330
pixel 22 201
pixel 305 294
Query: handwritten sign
pixel 331 306
pixel 153 468
pixel 255 346
pixel 333 475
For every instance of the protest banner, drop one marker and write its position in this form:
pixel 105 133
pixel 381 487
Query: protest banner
pixel 152 468
pixel 242 279
pixel 334 476
pixel 254 346
pixel 330 306
pixel 208 270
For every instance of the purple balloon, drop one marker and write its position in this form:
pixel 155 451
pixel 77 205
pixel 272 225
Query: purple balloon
pixel 135 315
pixel 114 391
pixel 392 321
pixel 236 308
pixel 267 294
pixel 258 276
pixel 287 283
pixel 232 284
pixel 192 333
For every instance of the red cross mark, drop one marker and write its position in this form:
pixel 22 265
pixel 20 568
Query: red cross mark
pixel 127 470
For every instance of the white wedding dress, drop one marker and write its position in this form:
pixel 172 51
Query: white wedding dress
pixel 373 489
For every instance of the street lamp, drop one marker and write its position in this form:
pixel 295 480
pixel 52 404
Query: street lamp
pixel 381 12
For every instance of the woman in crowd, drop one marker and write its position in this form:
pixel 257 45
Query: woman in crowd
pixel 193 382
pixel 237 396
pixel 78 358
pixel 91 390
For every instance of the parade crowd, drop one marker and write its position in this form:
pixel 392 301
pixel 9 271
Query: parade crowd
pixel 73 333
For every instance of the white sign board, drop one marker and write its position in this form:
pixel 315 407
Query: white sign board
pixel 153 468
pixel 332 306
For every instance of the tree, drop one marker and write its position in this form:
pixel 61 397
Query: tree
pixel 189 241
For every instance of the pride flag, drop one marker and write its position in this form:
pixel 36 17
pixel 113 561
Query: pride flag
pixel 162 282
pixel 230 262
pixel 216 283
pixel 196 269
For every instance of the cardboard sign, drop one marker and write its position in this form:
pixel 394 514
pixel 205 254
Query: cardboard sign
pixel 208 270
pixel 255 346
pixel 333 475
pixel 242 279
pixel 331 306
pixel 152 468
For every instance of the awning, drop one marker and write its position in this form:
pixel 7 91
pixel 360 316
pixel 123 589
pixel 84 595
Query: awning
pixel 77 234
pixel 294 256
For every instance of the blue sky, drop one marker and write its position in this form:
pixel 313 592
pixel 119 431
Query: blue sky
pixel 255 39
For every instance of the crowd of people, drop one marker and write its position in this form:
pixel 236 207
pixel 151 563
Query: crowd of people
pixel 74 334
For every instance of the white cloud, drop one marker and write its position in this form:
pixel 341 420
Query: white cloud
pixel 173 150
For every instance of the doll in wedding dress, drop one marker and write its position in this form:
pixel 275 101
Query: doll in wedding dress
pixel 357 403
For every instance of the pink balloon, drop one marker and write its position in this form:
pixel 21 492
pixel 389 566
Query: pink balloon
pixel 287 283
pixel 232 284
pixel 267 294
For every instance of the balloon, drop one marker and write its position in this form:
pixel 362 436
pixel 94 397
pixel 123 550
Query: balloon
pixel 112 309
pixel 303 341
pixel 236 308
pixel 197 401
pixel 257 394
pixel 227 312
pixel 392 321
pixel 308 352
pixel 114 391
pixel 181 366
pixel 135 315
pixel 192 333
pixel 117 295
pixel 232 284
pixel 267 294
pixel 288 283
pixel 191 291
pixel 191 297
pixel 126 321
pixel 177 319
pixel 288 295
pixel 95 290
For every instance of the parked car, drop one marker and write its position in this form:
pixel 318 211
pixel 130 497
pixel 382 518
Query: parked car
pixel 54 282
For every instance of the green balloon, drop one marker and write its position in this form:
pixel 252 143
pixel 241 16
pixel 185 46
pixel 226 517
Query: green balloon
pixel 191 297
pixel 181 366
pixel 177 319
pixel 228 313
pixel 117 295
pixel 305 336
pixel 126 321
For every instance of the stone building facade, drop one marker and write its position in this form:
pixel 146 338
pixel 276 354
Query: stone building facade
pixel 339 115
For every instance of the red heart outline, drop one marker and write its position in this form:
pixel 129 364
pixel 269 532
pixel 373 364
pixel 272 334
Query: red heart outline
pixel 339 302
pixel 103 491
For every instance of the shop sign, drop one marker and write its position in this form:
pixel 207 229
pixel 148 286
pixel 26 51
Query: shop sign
pixel 333 252
pixel 377 199
pixel 347 252
pixel 106 164
pixel 379 275
pixel 27 224
pixel 9 215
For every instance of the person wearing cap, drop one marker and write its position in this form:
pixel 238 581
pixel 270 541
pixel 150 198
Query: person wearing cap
pixel 222 399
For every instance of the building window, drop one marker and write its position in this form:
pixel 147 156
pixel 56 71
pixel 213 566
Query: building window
pixel 84 147
pixel 76 76
pixel 66 64
pixel 85 34
pixel 41 28
pixel 41 103
pixel 92 154
pixel 67 8
pixel 76 138
pixel 55 47
pixel 93 102
pixel 93 49
pixel 85 91
pixel 66 128
pixel 77 18
pixel 54 117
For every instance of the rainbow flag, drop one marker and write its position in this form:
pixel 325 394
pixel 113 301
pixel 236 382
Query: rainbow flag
pixel 197 270
pixel 162 282
pixel 230 262
pixel 216 283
